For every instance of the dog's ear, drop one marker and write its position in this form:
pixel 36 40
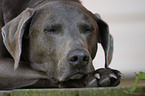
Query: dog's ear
pixel 105 39
pixel 13 32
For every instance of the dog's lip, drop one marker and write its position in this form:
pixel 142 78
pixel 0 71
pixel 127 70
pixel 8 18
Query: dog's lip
pixel 76 76
pixel 75 80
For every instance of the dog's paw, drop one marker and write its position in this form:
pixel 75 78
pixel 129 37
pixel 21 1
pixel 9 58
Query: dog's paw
pixel 107 77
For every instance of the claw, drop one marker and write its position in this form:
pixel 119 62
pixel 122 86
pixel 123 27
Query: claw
pixel 93 83
pixel 97 76
pixel 121 75
pixel 113 76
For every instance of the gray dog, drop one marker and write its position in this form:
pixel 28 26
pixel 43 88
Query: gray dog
pixel 51 43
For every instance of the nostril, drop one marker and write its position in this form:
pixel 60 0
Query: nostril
pixel 74 59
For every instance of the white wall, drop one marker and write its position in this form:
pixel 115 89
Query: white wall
pixel 126 19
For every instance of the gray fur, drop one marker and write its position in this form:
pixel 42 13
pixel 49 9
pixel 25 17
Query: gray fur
pixel 40 35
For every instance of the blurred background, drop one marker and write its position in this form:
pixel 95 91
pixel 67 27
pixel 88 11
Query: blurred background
pixel 126 20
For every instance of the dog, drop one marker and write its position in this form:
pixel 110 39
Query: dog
pixel 51 44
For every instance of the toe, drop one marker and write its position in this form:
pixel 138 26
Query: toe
pixel 107 77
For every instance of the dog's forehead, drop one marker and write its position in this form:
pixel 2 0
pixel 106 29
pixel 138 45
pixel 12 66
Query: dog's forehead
pixel 64 11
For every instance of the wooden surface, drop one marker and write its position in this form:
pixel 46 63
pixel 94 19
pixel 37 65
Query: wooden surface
pixel 118 91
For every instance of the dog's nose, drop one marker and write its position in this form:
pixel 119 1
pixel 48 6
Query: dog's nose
pixel 78 58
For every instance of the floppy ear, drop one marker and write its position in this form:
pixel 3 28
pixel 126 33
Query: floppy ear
pixel 13 32
pixel 105 39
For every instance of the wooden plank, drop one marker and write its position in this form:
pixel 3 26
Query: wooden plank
pixel 119 91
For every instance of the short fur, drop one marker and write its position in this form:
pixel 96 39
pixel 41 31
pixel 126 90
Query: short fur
pixel 41 40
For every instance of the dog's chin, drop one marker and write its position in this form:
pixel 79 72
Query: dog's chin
pixel 74 81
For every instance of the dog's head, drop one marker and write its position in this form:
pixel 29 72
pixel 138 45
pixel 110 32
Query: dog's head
pixel 59 38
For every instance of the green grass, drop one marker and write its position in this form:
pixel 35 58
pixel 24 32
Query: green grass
pixel 139 76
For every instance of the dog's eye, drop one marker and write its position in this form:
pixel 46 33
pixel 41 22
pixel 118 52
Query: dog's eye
pixel 87 29
pixel 50 30
pixel 53 29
